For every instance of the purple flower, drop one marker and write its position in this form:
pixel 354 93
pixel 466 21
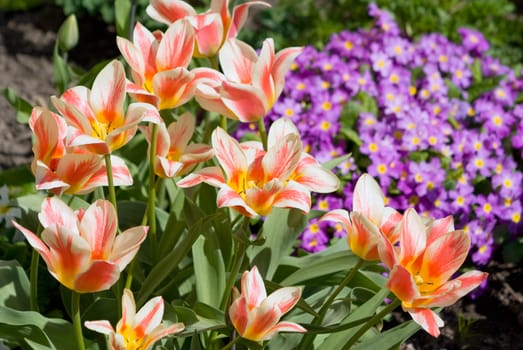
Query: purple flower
pixel 473 41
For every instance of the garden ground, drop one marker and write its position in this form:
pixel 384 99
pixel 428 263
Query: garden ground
pixel 494 320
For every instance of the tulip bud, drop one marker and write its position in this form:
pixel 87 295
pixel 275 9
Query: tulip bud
pixel 68 34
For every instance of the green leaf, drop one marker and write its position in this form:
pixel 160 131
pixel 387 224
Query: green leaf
pixel 122 11
pixel 336 161
pixel 326 265
pixel 22 107
pixel 281 229
pixel 17 176
pixel 14 291
pixel 209 270
pixel 389 338
pixel 195 323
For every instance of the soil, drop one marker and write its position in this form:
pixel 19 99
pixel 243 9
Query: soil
pixel 493 320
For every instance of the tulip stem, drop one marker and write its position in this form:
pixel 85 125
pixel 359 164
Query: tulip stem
pixel 231 343
pixel 35 259
pixel 239 254
pixel 110 180
pixel 151 207
pixel 307 339
pixel 33 276
pixel 378 317
pixel 77 322
pixel 263 133
pixel 343 284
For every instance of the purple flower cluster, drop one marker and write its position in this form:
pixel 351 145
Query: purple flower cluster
pixel 436 122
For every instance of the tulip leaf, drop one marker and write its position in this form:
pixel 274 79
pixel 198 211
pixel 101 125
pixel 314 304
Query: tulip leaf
pixel 368 309
pixel 62 74
pixel 122 14
pixel 195 323
pixel 281 229
pixel 15 286
pixel 321 267
pixel 209 270
pixel 32 330
pixel 389 338
pixel 22 107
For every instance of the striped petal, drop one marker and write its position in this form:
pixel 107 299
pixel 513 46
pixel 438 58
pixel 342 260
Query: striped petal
pixel 281 160
pixel 282 64
pixel 428 320
pixel 56 212
pixel 284 326
pixel 368 198
pixel 339 215
pixel 364 237
pixel 229 155
pixel 284 298
pixel 108 94
pixel 103 327
pixel 443 257
pixel 314 176
pixel 261 71
pixel 413 237
pixel 77 169
pixel 176 48
pixel 253 287
pixel 402 284
pixel 209 33
pixel 173 88
pixel 237 59
pixel 239 17
pixel 210 175
pixel 36 243
pixel 229 198
pixel 246 102
pixel 98 226
pixel 101 275
pixel 169 11
pixel 126 245
pixel 279 130
pixel 294 195
pixel 149 316
pixel 181 132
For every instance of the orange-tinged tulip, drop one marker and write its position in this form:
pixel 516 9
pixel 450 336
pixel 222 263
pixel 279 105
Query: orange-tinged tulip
pixel 369 219
pixel 60 168
pixel 255 315
pixel 253 180
pixel 136 330
pixel 429 253
pixel 81 248
pixel 159 64
pixel 250 84
pixel 174 155
pixel 212 28
pixel 97 117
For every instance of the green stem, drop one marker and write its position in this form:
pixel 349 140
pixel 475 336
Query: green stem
pixel 35 260
pixel 223 122
pixel 151 207
pixel 239 254
pixel 110 182
pixel 77 322
pixel 231 343
pixel 263 133
pixel 378 317
pixel 323 311
pixel 308 338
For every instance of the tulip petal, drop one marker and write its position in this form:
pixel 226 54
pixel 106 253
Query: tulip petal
pixel 173 87
pixel 364 237
pixel 108 94
pixel 281 160
pixel 35 242
pixel 402 284
pixel 285 298
pixel 279 130
pixel 294 195
pixel 149 316
pixel 427 319
pixel 169 11
pixel 176 47
pixel 128 311
pixel 54 211
pixel 237 59
pixel 282 64
pixel 315 177
pixel 101 275
pixel 239 16
pixel 103 327
pixel 229 198
pixel 253 287
pixel 239 315
pixel 210 175
pixel 98 226
pixel 339 215
pixel 126 245
pixel 368 198
pixel 284 326
pixel 181 132
pixel 444 257
pixel 413 237
pixel 246 102
pixel 230 156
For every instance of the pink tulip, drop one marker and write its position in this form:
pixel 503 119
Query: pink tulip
pixel 368 220
pixel 255 315
pixel 60 168
pixel 97 117
pixel 250 84
pixel 159 64
pixel 81 248
pixel 174 155
pixel 212 28
pixel 136 331
pixel 254 181
pixel 429 254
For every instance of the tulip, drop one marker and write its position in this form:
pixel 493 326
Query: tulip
pixel 136 331
pixel 60 168
pixel 212 28
pixel 97 117
pixel 81 248
pixel 256 316
pixel 174 155
pixel 429 254
pixel 254 181
pixel 369 219
pixel 159 64
pixel 250 84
